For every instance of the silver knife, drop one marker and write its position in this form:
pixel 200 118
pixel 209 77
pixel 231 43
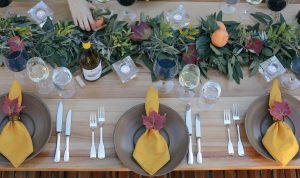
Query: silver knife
pixel 68 134
pixel 198 137
pixel 59 116
pixel 188 122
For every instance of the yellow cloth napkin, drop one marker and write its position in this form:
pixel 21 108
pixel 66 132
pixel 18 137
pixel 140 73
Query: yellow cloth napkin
pixel 15 141
pixel 279 139
pixel 151 150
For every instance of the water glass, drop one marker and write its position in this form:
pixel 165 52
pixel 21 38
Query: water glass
pixel 63 81
pixel 210 93
pixel 38 71
pixel 289 80
pixel 189 79
pixel 295 66
pixel 16 62
pixel 165 70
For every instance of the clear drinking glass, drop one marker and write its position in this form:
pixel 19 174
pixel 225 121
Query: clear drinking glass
pixel 165 70
pixel 189 79
pixel 16 62
pixel 210 93
pixel 38 71
pixel 63 81
pixel 289 80
pixel 228 7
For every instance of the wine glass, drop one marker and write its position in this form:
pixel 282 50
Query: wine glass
pixel 38 72
pixel 210 93
pixel 165 70
pixel 63 81
pixel 4 3
pixel 189 79
pixel 276 6
pixel 16 62
pixel 245 13
pixel 228 7
pixel 127 15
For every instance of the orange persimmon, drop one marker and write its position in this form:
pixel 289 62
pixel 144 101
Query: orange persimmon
pixel 219 38
pixel 99 22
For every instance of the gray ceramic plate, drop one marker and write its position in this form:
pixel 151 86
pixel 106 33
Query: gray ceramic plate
pixel 36 117
pixel 258 120
pixel 130 127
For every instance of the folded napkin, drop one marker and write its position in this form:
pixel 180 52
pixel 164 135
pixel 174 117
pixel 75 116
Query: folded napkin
pixel 279 139
pixel 151 150
pixel 15 141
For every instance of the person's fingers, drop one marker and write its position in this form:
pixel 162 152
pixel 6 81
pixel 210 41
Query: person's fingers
pixel 86 24
pixel 81 25
pixel 75 20
pixel 91 21
pixel 91 6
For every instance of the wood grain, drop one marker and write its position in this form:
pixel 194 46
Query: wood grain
pixel 116 102
pixel 117 98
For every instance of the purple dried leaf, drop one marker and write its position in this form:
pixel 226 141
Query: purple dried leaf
pixel 140 32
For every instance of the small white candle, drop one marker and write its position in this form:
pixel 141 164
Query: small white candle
pixel 272 69
pixel 177 17
pixel 125 69
pixel 40 14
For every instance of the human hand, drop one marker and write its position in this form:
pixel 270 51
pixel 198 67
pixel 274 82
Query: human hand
pixel 81 14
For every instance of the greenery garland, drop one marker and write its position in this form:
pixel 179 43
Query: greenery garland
pixel 146 40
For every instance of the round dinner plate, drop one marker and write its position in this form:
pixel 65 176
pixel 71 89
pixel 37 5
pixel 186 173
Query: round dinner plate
pixel 258 120
pixel 130 127
pixel 36 118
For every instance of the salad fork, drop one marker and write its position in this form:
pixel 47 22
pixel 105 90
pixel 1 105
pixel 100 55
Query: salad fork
pixel 236 118
pixel 93 126
pixel 101 120
pixel 227 123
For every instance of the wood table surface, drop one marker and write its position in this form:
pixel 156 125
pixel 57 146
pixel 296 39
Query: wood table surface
pixel 118 98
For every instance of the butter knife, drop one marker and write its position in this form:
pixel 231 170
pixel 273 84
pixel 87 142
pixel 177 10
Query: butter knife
pixel 188 122
pixel 68 134
pixel 198 137
pixel 59 116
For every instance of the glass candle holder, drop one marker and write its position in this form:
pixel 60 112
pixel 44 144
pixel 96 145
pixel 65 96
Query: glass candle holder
pixel 125 69
pixel 40 12
pixel 178 17
pixel 271 68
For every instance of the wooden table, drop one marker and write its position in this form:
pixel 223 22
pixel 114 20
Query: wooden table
pixel 117 98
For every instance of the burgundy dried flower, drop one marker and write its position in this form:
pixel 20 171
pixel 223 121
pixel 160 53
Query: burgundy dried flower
pixel 140 32
pixel 15 44
pixel 255 45
pixel 11 108
pixel 154 121
pixel 280 110
pixel 190 56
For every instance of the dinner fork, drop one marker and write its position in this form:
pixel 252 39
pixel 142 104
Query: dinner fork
pixel 93 126
pixel 236 118
pixel 101 120
pixel 227 123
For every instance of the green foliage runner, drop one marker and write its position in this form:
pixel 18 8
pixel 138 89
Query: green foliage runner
pixel 152 38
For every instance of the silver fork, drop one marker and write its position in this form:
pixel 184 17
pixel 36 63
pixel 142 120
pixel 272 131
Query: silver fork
pixel 227 123
pixel 101 120
pixel 236 118
pixel 93 126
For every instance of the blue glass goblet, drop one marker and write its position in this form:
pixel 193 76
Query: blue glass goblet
pixel 165 70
